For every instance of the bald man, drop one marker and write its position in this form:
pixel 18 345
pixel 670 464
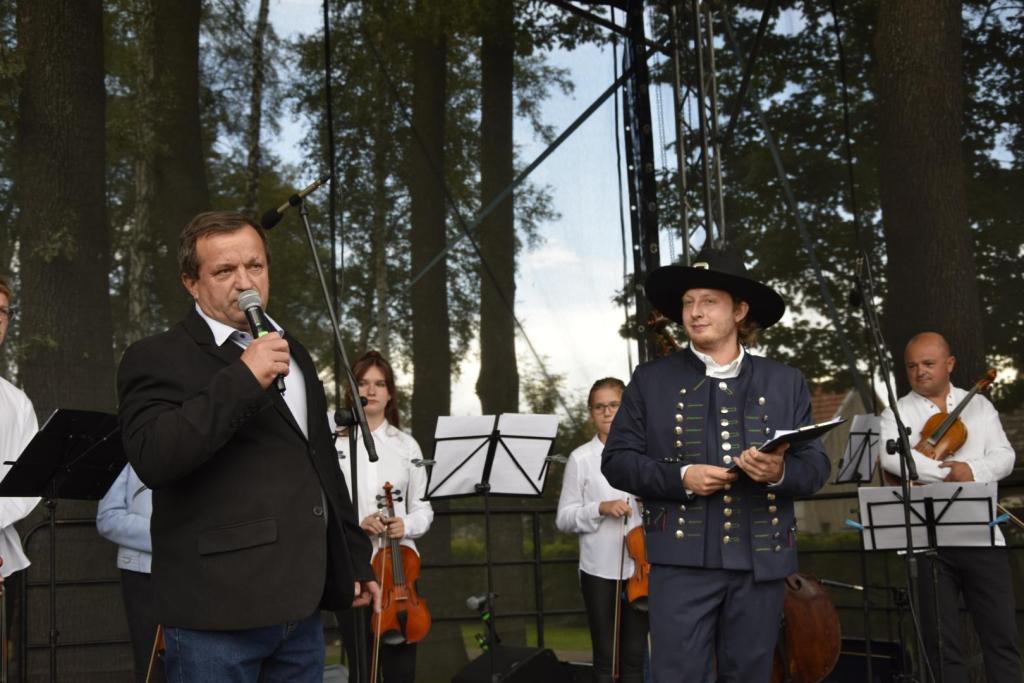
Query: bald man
pixel 981 575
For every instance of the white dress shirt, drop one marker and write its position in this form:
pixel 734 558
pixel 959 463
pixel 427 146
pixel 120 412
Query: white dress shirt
pixel 987 451
pixel 395 452
pixel 583 490
pixel 294 382
pixel 730 370
pixel 17 427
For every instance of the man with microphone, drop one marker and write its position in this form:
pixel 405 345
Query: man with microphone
pixel 253 529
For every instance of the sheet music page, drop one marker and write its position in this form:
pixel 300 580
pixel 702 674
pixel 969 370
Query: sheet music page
pixel 460 454
pixel 526 440
pixel 858 454
pixel 962 521
pixel 456 439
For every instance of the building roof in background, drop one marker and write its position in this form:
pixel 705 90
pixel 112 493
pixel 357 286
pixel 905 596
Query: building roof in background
pixel 825 404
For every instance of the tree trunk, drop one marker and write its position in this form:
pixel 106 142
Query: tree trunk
pixel 67 330
pixel 930 268
pixel 431 354
pixel 142 319
pixel 498 382
pixel 381 162
pixel 179 171
pixel 252 134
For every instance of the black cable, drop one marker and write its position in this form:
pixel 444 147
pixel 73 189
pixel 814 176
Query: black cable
pixel 331 195
pixel 467 228
pixel 622 207
pixel 808 243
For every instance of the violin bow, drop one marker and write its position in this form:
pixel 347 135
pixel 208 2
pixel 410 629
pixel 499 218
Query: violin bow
pixel 616 631
pixel 375 659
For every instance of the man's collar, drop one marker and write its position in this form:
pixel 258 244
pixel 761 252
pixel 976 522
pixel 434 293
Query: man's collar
pixel 953 396
pixel 221 332
pixel 714 367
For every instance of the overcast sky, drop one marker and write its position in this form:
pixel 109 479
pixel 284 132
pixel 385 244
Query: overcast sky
pixel 564 287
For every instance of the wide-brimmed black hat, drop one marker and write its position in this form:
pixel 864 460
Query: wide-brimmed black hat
pixel 713 269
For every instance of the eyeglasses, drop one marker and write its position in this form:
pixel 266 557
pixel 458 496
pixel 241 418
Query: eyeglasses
pixel 601 407
pixel 6 314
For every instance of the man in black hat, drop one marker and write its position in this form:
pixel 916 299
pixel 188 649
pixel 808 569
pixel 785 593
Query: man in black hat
pixel 718 513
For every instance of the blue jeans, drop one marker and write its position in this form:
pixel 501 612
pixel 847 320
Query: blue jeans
pixel 285 653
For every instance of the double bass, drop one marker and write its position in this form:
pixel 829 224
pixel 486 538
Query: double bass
pixel 403 617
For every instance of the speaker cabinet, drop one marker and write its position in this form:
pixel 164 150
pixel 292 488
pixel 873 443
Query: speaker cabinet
pixel 513 665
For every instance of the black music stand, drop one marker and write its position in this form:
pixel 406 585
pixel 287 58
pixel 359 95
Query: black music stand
pixel 77 455
pixel 863 448
pixel 942 514
pixel 491 455
pixel 857 466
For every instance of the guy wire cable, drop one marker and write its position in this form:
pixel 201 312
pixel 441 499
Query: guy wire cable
pixel 460 220
pixel 848 153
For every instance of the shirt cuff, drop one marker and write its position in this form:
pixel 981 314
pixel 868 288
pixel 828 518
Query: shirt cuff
pixel 779 482
pixel 682 477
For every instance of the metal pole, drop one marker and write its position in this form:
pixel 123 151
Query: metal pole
pixel 677 97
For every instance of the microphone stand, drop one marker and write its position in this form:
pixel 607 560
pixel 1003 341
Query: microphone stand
pixel 900 445
pixel 358 417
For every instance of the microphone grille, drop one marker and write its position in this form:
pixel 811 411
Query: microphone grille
pixel 248 299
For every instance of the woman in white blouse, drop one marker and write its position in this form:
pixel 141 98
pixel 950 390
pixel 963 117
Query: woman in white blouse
pixel 601 515
pixel 396 450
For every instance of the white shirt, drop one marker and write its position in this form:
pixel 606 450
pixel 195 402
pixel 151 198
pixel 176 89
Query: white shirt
pixel 395 452
pixel 730 370
pixel 584 487
pixel 17 427
pixel 986 451
pixel 294 382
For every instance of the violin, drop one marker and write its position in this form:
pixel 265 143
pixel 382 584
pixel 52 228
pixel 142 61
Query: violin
pixel 810 637
pixel 635 543
pixel 637 584
pixel 945 433
pixel 403 617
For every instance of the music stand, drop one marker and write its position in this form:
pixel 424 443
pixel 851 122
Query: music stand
pixel 863 448
pixel 490 455
pixel 77 455
pixel 953 514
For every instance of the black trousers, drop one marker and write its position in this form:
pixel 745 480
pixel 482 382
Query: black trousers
pixel 397 662
pixel 599 598
pixel 982 576
pixel 137 591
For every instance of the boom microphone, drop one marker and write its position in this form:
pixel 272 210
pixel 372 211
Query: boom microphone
pixel 251 304
pixel 273 217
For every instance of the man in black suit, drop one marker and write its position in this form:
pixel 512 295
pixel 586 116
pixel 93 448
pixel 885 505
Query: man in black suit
pixel 253 529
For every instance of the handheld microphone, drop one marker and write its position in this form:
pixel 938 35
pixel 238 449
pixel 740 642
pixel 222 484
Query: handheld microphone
pixel 273 217
pixel 251 304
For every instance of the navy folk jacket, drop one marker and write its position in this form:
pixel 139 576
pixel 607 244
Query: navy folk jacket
pixel 672 415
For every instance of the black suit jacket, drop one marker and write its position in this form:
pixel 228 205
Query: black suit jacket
pixel 241 536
